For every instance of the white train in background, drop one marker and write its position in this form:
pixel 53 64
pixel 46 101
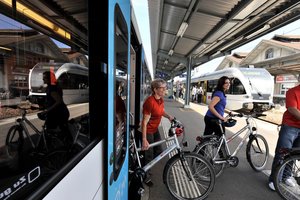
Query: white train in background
pixel 72 78
pixel 251 88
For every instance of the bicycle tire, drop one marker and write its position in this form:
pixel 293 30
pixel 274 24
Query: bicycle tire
pixel 285 191
pixel 257 157
pixel 14 139
pixel 182 187
pixel 208 149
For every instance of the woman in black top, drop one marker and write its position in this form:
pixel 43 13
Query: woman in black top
pixel 57 113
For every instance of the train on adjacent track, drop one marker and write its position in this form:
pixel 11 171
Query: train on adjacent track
pixel 250 89
pixel 72 78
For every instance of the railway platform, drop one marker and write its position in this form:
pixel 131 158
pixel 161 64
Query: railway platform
pixel 235 183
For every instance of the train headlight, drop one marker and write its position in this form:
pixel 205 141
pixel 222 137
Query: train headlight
pixel 248 106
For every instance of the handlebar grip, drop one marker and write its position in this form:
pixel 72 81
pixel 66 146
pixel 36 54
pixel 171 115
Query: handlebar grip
pixel 260 115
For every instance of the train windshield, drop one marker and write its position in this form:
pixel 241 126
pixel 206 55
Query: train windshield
pixel 257 78
pixel 36 76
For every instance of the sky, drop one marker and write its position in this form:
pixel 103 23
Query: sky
pixel 141 10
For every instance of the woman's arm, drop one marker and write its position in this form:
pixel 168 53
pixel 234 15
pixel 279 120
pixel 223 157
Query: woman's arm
pixel 145 143
pixel 166 115
pixel 295 112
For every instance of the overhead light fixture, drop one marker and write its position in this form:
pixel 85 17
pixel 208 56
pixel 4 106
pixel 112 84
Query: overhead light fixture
pixel 266 27
pixel 171 52
pixel 216 53
pixel 38 18
pixel 182 29
pixel 4 48
pixel 250 8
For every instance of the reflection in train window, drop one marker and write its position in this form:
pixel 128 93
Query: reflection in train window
pixel 37 152
pixel 121 82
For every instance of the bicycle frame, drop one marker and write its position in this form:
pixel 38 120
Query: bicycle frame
pixel 22 122
pixel 248 127
pixel 168 150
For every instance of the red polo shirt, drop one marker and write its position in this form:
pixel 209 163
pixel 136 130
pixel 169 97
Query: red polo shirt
pixel 154 108
pixel 292 100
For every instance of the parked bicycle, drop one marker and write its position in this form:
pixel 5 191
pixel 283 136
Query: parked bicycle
pixel 216 148
pixel 186 175
pixel 39 141
pixel 288 168
pixel 52 147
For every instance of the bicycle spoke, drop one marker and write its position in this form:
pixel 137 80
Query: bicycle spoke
pixel 189 178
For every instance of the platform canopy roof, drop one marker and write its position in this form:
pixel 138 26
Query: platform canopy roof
pixel 201 30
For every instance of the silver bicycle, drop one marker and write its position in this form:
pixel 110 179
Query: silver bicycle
pixel 216 148
pixel 186 175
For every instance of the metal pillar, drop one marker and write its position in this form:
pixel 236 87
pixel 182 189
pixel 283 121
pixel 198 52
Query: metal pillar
pixel 188 83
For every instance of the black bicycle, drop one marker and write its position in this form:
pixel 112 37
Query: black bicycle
pixel 51 147
pixel 289 168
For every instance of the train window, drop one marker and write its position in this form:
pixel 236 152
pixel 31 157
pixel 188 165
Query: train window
pixel 121 82
pixel 237 87
pixel 211 85
pixel 30 157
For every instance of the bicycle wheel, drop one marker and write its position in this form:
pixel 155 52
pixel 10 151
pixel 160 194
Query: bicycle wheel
pixel 209 149
pixel 189 176
pixel 257 152
pixel 290 168
pixel 14 139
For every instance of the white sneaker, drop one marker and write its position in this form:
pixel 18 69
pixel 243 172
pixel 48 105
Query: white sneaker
pixel 289 182
pixel 271 186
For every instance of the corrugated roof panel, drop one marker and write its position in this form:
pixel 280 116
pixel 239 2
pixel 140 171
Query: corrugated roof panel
pixel 218 7
pixel 179 3
pixel 166 41
pixel 172 18
pixel 185 45
pixel 200 24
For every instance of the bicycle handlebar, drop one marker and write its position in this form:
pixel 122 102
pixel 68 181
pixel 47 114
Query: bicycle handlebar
pixel 247 115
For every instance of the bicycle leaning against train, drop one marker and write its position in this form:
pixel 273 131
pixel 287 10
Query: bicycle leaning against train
pixel 216 149
pixel 186 175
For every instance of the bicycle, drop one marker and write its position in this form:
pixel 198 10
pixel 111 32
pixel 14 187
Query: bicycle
pixel 288 168
pixel 17 133
pixel 52 148
pixel 216 148
pixel 186 175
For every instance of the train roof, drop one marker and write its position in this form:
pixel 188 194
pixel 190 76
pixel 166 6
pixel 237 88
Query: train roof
pixel 63 67
pixel 232 72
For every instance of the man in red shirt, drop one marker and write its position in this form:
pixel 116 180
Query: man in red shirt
pixel 153 110
pixel 289 132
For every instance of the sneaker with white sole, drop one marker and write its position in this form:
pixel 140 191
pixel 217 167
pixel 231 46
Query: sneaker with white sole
pixel 271 186
pixel 289 182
